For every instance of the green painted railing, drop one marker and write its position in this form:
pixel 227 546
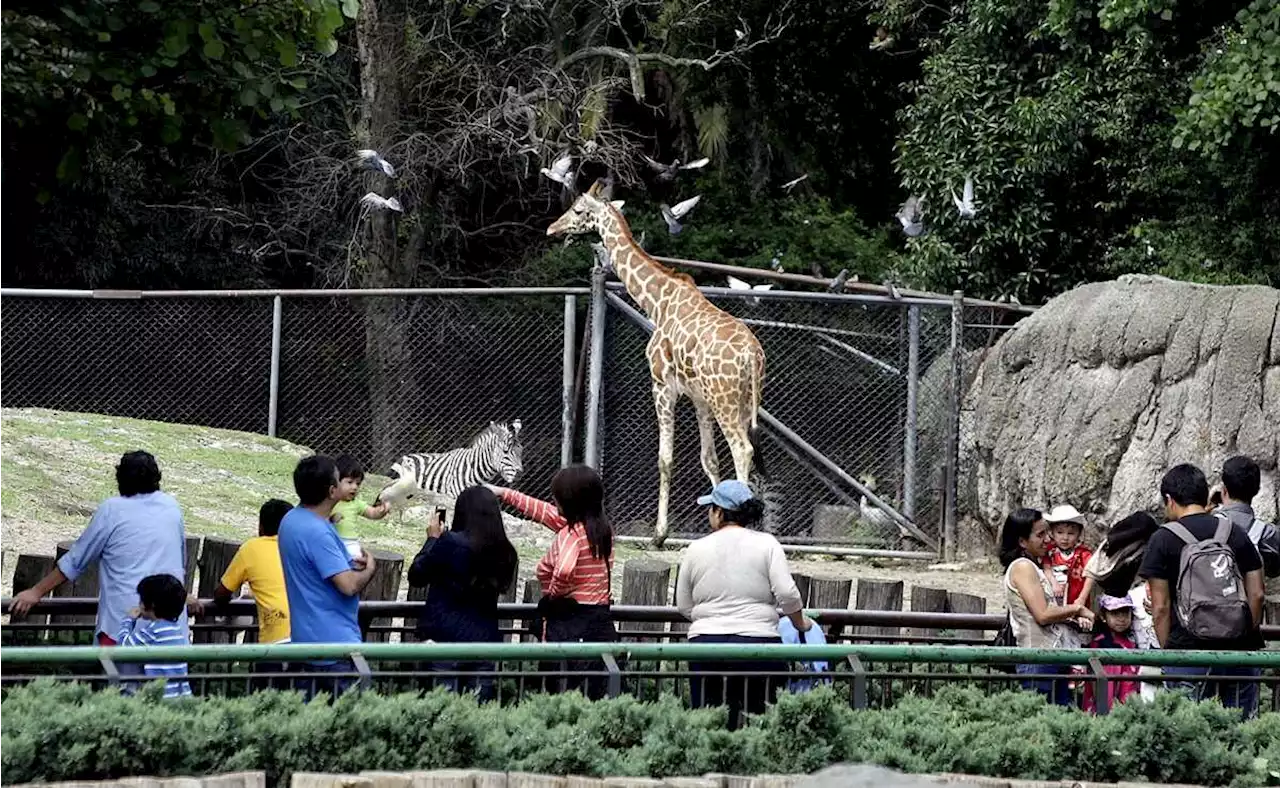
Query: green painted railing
pixel 667 652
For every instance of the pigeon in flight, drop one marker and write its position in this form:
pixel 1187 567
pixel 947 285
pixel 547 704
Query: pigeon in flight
pixel 374 161
pixel 674 213
pixel 668 172
pixel 965 204
pixel 561 172
pixel 791 184
pixel 737 284
pixel 911 216
pixel 377 201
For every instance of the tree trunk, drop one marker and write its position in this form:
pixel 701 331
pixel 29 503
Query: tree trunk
pixel 380 37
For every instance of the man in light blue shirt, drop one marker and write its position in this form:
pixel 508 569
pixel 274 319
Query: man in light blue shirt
pixel 323 583
pixel 134 535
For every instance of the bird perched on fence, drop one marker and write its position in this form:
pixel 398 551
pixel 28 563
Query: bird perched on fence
pixel 562 172
pixel 837 285
pixel 672 214
pixel 374 200
pixel 965 204
pixel 374 161
pixel 911 215
pixel 737 284
pixel 668 172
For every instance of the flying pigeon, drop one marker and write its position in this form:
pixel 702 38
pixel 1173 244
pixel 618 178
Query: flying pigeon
pixel 965 205
pixel 737 284
pixel 672 214
pixel 377 201
pixel 668 172
pixel 374 161
pixel 911 216
pixel 789 185
pixel 560 172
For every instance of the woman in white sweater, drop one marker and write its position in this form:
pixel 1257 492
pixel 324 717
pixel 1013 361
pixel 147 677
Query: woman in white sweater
pixel 732 585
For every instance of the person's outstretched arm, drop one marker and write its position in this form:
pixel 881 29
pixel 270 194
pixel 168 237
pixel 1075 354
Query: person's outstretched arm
pixel 539 511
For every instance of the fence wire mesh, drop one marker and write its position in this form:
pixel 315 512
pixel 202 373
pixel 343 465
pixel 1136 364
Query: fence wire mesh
pixel 381 376
pixel 837 374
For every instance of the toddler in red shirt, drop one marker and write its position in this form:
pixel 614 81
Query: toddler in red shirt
pixel 1064 564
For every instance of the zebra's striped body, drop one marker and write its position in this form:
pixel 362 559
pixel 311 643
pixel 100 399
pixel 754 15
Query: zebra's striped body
pixel 495 453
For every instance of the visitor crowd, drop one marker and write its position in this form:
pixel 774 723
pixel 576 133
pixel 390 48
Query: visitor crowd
pixel 1195 583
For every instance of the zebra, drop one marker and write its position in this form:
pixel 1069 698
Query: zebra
pixel 495 452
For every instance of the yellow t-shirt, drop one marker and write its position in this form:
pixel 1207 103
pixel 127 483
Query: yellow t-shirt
pixel 258 563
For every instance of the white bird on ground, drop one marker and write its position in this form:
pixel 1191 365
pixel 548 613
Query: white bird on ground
pixel 965 204
pixel 374 161
pixel 791 184
pixel 374 200
pixel 561 172
pixel 668 172
pixel 672 214
pixel 737 284
pixel 911 216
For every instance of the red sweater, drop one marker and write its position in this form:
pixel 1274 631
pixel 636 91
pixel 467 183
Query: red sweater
pixel 568 569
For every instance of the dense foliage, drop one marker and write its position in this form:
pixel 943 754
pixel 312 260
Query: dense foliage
pixel 67 732
pixel 168 144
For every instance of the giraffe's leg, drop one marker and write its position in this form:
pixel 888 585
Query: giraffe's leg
pixel 740 447
pixel 707 434
pixel 664 400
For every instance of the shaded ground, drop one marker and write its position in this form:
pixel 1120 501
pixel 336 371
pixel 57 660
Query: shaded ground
pixel 55 467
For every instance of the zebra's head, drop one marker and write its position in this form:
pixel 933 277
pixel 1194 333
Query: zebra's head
pixel 510 449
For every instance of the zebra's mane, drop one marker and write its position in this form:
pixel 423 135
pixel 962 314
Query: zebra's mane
pixel 501 429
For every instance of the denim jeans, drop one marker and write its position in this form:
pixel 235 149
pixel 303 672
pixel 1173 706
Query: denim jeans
pixel 1198 684
pixel 333 686
pixel 1056 690
pixel 460 682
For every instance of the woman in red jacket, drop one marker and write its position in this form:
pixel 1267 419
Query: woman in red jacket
pixel 575 573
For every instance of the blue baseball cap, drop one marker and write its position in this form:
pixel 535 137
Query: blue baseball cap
pixel 728 494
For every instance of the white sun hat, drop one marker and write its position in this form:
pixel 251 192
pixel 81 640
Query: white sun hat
pixel 1064 513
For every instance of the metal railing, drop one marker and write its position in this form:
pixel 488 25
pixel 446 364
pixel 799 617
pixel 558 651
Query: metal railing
pixel 860 401
pixel 871 674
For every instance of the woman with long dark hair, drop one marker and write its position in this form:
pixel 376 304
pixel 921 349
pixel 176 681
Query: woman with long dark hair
pixel 575 573
pixel 1034 618
pixel 732 585
pixel 466 570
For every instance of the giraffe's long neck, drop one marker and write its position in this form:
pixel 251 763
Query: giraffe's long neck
pixel 645 280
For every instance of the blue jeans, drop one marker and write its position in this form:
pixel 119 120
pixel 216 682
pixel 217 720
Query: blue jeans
pixel 333 686
pixel 1056 690
pixel 460 682
pixel 1241 695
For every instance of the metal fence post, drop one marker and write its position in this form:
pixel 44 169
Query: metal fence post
pixel 566 395
pixel 595 370
pixel 910 438
pixel 277 314
pixel 953 428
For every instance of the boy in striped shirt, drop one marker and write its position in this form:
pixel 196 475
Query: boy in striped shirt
pixel 155 622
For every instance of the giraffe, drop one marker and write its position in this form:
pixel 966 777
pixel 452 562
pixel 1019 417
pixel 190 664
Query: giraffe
pixel 696 349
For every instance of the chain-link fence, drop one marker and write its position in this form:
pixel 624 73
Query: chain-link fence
pixel 859 399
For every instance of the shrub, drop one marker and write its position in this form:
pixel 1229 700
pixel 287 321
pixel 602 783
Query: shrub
pixel 55 731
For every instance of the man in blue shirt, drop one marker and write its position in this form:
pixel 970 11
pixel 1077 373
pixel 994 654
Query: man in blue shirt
pixel 134 535
pixel 323 583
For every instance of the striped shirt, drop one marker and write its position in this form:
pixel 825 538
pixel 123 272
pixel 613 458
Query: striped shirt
pixel 568 569
pixel 157 632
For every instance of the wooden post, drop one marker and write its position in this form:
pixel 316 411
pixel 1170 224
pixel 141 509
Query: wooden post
pixel 86 586
pixel 804 583
pixel 193 557
pixel 532 593
pixel 510 596
pixel 27 571
pixel 966 603
pixel 928 600
pixel 879 595
pixel 645 582
pixel 384 586
pixel 830 593
pixel 215 557
pixel 414 594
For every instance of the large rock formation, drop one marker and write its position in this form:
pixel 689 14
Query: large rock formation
pixel 1089 400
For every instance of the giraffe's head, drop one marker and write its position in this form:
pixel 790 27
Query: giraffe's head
pixel 592 212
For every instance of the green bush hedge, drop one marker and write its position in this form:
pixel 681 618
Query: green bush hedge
pixel 68 732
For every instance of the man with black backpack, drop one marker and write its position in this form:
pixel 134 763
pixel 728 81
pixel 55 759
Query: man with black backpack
pixel 1206 583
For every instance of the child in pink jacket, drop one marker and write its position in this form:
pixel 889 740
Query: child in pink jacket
pixel 1117 632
